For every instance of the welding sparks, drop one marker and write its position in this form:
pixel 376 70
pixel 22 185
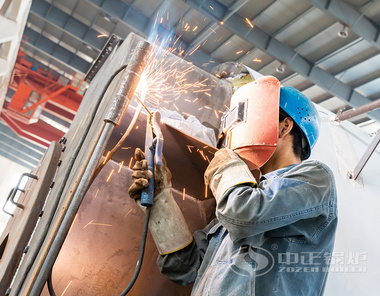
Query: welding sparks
pixel 257 60
pixel 130 162
pixel 249 22
pixel 72 224
pixel 106 158
pixel 120 166
pixel 184 194
pixel 96 194
pixel 166 82
pixel 128 213
pixel 109 176
pixel 206 190
pixel 201 153
pixel 239 52
pixel 216 114
pixel 189 147
pixel 102 35
pixel 97 224
pixel 64 291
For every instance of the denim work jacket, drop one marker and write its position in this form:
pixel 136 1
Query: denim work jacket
pixel 276 239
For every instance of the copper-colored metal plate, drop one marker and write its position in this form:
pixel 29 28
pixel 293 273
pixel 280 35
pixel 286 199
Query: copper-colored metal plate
pixel 101 250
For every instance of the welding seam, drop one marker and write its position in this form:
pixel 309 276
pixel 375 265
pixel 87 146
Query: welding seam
pixel 129 84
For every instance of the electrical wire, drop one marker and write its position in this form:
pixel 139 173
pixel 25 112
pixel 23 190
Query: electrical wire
pixel 50 284
pixel 141 253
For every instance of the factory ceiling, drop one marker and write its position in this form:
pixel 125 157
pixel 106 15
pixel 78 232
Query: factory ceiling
pixel 328 49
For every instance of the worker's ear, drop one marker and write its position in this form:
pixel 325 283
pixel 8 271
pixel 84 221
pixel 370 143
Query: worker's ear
pixel 285 127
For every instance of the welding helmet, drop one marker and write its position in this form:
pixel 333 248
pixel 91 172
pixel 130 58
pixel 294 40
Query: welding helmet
pixel 251 124
pixel 303 113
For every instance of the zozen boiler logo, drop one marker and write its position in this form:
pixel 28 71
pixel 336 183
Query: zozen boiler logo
pixel 251 261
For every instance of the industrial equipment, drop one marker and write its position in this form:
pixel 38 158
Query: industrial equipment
pixel 79 227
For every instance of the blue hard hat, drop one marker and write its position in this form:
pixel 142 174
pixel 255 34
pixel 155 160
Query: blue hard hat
pixel 303 113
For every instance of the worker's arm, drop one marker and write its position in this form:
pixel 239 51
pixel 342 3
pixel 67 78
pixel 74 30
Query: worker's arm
pixel 247 209
pixel 166 223
pixel 182 266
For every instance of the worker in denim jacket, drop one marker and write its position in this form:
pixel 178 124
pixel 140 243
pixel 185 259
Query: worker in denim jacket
pixel 272 236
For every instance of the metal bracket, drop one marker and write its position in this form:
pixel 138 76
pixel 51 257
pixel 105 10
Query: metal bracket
pixel 14 190
pixel 113 42
pixel 366 156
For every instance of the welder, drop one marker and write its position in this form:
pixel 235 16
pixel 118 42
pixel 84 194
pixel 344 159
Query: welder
pixel 271 236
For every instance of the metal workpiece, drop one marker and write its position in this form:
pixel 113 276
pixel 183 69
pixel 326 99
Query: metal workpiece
pixel 186 156
pixel 82 138
pixel 100 252
pixel 95 260
pixel 31 200
pixel 131 77
pixel 76 200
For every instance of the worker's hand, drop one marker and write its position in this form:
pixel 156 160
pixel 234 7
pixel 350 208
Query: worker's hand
pixel 142 175
pixel 166 223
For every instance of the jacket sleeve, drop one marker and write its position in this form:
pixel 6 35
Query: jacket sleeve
pixel 182 266
pixel 306 191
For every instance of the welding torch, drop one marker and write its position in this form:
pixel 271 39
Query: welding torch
pixel 153 155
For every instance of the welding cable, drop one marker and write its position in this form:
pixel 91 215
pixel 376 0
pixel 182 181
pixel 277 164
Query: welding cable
pixel 141 253
pixel 72 161
pixel 50 284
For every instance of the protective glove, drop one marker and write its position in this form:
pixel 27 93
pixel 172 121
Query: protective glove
pixel 141 175
pixel 226 170
pixel 166 224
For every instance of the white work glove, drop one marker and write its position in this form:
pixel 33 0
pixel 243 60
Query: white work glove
pixel 226 170
pixel 166 224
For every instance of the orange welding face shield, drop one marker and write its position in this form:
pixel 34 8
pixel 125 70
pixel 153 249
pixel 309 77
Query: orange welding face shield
pixel 251 125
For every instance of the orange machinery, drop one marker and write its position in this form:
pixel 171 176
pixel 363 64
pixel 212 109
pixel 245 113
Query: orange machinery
pixel 36 90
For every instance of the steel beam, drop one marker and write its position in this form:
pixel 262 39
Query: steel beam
pixel 67 22
pixel 298 63
pixel 63 30
pixel 358 22
pixel 44 44
pixel 358 111
pixel 143 25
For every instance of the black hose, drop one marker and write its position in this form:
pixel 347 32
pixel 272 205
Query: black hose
pixel 50 284
pixel 141 254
